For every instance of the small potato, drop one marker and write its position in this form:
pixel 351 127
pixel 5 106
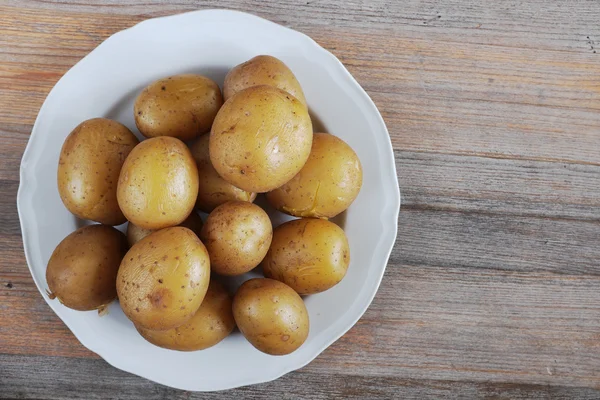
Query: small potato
pixel 212 323
pixel 89 166
pixel 326 185
pixel 271 316
pixel 213 190
pixel 163 279
pixel 260 139
pixel 309 255
pixel 237 235
pixel 158 184
pixel 262 70
pixel 135 233
pixel 182 106
pixel 82 270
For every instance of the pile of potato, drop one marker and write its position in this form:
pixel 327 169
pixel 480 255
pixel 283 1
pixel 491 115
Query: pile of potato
pixel 167 271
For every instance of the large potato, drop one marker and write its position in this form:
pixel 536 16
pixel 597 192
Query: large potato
pixel 326 185
pixel 163 279
pixel 212 323
pixel 237 236
pixel 213 190
pixel 262 70
pixel 82 270
pixel 136 233
pixel 271 315
pixel 89 166
pixel 182 106
pixel 158 184
pixel 309 255
pixel 260 139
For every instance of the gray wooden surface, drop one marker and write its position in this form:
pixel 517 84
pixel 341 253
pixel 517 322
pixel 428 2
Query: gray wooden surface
pixel 493 287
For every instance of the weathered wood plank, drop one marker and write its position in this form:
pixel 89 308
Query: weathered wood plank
pixel 497 242
pixel 499 186
pixel 537 18
pixel 9 219
pixel 100 381
pixel 11 151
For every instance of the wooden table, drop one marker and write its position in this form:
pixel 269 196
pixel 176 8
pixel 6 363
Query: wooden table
pixel 493 288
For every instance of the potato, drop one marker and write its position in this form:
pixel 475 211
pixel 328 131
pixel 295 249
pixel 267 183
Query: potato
pixel 309 255
pixel 82 270
pixel 212 323
pixel 237 236
pixel 135 233
pixel 163 279
pixel 271 315
pixel 326 185
pixel 260 139
pixel 158 184
pixel 89 166
pixel 262 70
pixel 213 190
pixel 182 106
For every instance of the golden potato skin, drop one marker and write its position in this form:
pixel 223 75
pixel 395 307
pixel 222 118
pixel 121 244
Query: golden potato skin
pixel 182 106
pixel 271 315
pixel 326 185
pixel 260 139
pixel 212 323
pixel 82 270
pixel 237 235
pixel 213 190
pixel 262 70
pixel 89 166
pixel 135 233
pixel 309 255
pixel 163 279
pixel 158 184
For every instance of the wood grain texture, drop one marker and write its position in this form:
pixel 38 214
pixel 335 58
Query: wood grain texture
pixel 493 108
pixel 101 381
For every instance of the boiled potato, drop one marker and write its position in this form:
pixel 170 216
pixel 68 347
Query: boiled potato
pixel 82 270
pixel 326 185
pixel 135 233
pixel 158 184
pixel 262 70
pixel 309 255
pixel 212 323
pixel 237 236
pixel 163 279
pixel 213 190
pixel 260 139
pixel 271 315
pixel 89 166
pixel 182 106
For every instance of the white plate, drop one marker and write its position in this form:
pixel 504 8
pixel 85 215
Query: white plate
pixel 210 42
